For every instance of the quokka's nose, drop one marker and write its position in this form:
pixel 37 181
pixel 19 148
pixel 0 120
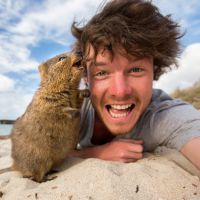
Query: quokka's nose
pixel 78 64
pixel 79 58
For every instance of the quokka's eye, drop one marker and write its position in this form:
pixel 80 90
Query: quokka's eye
pixel 61 58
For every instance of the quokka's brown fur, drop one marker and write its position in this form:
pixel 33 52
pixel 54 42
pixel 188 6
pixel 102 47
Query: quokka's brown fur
pixel 49 128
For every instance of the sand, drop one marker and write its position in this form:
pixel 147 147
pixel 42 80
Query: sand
pixel 164 175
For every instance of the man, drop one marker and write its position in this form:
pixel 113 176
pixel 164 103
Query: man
pixel 126 46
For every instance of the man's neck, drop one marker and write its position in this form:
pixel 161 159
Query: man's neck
pixel 101 134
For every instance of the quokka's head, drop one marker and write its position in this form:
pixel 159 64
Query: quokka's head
pixel 63 70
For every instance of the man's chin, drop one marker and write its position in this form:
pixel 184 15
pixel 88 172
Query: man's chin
pixel 119 127
pixel 119 131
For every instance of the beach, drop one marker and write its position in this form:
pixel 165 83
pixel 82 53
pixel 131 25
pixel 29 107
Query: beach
pixel 164 175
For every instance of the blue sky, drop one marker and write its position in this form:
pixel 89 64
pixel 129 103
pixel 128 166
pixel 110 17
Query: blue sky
pixel 32 31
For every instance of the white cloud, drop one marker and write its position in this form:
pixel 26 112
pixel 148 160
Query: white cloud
pixel 183 11
pixel 10 9
pixel 14 56
pixel 6 84
pixel 25 28
pixel 181 8
pixel 15 95
pixel 187 73
pixel 13 104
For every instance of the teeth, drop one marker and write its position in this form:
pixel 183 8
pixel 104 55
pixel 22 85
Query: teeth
pixel 118 115
pixel 121 107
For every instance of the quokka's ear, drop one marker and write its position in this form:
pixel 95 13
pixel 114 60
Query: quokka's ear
pixel 43 71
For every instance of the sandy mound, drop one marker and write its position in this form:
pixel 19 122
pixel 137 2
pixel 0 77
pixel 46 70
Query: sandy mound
pixel 152 178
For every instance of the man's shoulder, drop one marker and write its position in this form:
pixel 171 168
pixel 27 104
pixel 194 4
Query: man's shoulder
pixel 165 109
pixel 162 101
pixel 169 122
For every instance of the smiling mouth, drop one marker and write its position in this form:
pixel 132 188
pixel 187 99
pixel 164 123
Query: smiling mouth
pixel 117 111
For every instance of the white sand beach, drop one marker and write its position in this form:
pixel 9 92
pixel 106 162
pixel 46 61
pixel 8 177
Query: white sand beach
pixel 165 175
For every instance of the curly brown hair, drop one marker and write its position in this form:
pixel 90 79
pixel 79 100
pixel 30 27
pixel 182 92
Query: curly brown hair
pixel 137 27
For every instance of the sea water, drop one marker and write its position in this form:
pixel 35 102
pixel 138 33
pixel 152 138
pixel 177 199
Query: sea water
pixel 5 129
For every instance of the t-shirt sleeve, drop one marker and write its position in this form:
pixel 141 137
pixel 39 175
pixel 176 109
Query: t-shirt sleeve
pixel 176 126
pixel 86 124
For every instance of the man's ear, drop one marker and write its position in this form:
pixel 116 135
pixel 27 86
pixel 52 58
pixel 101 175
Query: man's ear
pixel 43 71
pixel 85 79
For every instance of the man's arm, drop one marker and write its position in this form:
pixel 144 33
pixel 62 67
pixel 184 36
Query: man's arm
pixel 123 150
pixel 191 150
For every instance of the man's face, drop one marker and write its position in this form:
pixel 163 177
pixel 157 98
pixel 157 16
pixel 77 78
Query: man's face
pixel 121 89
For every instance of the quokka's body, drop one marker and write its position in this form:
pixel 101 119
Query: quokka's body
pixel 49 128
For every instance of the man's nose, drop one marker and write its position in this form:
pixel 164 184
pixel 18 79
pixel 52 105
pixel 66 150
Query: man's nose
pixel 120 86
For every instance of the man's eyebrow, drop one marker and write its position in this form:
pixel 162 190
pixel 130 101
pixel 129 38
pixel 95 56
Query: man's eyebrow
pixel 94 63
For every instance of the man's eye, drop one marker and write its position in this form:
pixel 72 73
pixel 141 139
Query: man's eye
pixel 101 73
pixel 136 69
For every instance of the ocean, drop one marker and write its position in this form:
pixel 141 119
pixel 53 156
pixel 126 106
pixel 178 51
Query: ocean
pixel 5 129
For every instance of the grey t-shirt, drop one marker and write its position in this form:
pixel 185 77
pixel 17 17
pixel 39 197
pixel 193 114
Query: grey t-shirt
pixel 166 122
